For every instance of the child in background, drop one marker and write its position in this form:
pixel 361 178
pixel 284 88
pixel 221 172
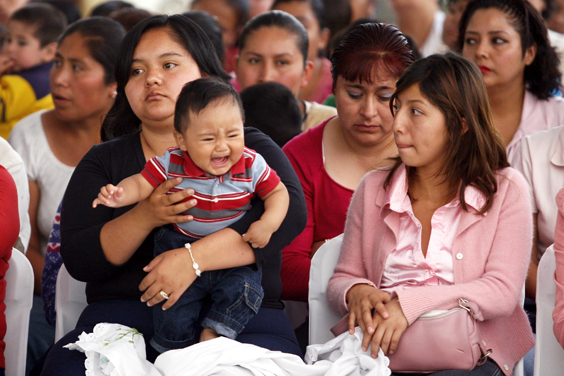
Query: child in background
pixel 273 109
pixel 26 60
pixel 211 158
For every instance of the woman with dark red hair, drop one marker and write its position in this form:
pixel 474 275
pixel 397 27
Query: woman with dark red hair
pixel 330 159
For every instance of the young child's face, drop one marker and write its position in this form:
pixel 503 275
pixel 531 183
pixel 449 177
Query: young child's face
pixel 23 48
pixel 214 139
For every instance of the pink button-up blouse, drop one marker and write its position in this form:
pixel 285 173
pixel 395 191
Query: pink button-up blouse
pixel 406 266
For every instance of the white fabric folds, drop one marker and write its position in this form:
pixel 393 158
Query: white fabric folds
pixel 114 350
pixel 117 350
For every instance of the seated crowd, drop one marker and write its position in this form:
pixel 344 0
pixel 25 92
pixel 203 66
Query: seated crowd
pixel 135 144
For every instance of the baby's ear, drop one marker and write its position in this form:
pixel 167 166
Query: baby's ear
pixel 179 140
pixel 48 52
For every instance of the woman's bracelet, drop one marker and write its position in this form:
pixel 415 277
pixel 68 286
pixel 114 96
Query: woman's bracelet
pixel 194 263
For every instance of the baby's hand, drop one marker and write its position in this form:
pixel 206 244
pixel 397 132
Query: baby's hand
pixel 258 234
pixel 110 196
pixel 5 64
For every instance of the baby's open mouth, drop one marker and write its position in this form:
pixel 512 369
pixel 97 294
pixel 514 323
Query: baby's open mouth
pixel 219 161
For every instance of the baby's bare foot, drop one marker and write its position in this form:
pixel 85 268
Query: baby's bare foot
pixel 208 334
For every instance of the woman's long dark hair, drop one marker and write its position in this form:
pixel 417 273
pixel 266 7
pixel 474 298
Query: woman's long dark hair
pixel 542 76
pixel 121 120
pixel 475 151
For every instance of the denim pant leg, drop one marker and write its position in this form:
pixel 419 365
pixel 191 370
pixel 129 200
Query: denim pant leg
pixel 237 295
pixel 176 327
pixel 167 238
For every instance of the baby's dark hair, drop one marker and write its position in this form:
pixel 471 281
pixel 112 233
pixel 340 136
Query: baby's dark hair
pixel 198 95
pixel 273 109
pixel 48 21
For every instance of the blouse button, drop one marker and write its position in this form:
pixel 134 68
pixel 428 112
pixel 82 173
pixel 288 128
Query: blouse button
pixel 506 367
pixel 459 256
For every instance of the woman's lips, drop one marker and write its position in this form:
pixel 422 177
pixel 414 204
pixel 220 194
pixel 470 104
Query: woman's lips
pixel 484 69
pixel 154 96
pixel 366 127
pixel 403 146
pixel 59 99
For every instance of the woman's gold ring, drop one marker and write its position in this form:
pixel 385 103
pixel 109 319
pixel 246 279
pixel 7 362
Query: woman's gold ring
pixel 164 295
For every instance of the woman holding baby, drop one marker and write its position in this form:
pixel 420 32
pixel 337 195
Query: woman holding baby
pixel 112 249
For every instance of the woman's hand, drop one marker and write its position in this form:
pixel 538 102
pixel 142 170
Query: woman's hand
pixel 162 208
pixel 388 331
pixel 361 300
pixel 170 272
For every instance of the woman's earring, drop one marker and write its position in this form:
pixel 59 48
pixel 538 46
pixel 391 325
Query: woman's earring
pixel 114 94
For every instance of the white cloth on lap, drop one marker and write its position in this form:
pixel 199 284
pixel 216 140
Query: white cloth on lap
pixel 345 356
pixel 114 350
pixel 117 350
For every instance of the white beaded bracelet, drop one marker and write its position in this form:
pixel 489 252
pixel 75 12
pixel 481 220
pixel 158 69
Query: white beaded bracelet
pixel 194 263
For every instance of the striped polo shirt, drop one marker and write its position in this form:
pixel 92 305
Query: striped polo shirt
pixel 221 200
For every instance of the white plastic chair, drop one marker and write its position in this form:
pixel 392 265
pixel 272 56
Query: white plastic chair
pixel 549 355
pixel 70 301
pixel 19 299
pixel 321 316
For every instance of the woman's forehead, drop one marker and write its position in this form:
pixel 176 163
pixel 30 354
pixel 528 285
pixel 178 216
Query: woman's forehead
pixel 159 41
pixel 269 34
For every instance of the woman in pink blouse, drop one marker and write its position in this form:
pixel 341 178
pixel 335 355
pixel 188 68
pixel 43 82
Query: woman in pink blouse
pixel 448 220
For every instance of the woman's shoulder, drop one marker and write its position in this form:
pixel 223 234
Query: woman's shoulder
pixel 308 142
pixel 122 144
pixel 381 174
pixel 376 179
pixel 543 140
pixel 124 148
pixel 305 151
pixel 553 106
pixel 509 179
pixel 28 129
pixel 555 101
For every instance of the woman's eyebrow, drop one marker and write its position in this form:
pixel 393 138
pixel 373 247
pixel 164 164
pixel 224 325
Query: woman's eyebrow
pixel 359 86
pixel 165 55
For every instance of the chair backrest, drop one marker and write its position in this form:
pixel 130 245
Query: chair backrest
pixel 321 316
pixel 70 301
pixel 19 299
pixel 549 355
